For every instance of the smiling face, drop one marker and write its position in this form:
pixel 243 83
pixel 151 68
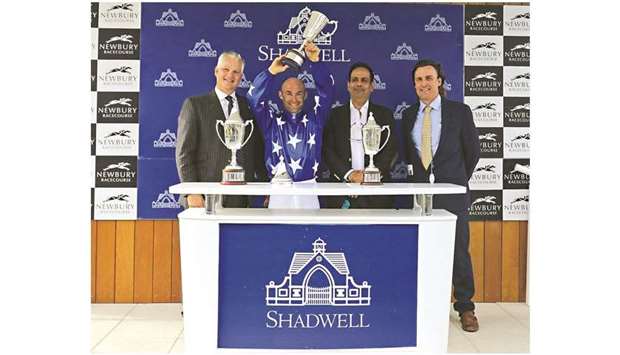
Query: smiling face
pixel 228 74
pixel 427 83
pixel 293 94
pixel 360 86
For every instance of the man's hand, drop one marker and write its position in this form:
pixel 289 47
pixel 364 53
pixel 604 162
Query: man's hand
pixel 277 66
pixel 312 51
pixel 195 201
pixel 357 176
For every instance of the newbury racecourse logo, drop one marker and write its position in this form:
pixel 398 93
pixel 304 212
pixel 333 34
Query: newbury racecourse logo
pixel 404 52
pixel 372 22
pixel 308 268
pixel 237 20
pixel 437 24
pixel 166 140
pixel 169 19
pixel 296 27
pixel 165 200
pixel 202 49
pixel 168 79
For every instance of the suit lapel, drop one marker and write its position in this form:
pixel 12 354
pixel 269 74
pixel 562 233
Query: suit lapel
pixel 446 121
pixel 215 107
pixel 345 127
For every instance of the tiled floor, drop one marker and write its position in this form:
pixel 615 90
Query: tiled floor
pixel 158 328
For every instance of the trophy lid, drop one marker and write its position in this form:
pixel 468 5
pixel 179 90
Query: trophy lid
pixel 371 123
pixel 234 117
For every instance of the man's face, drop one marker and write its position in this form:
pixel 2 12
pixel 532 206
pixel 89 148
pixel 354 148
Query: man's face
pixel 293 94
pixel 427 83
pixel 360 86
pixel 228 74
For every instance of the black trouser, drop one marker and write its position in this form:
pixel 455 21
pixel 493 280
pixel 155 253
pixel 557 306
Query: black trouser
pixel 462 272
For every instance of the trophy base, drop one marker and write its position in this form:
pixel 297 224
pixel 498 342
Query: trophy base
pixel 294 59
pixel 372 177
pixel 233 175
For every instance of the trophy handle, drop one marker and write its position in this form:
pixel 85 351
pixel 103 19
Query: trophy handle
pixel 332 22
pixel 388 136
pixel 251 130
pixel 217 123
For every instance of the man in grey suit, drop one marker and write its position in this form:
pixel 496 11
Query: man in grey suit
pixel 200 155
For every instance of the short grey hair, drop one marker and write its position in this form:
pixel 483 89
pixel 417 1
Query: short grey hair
pixel 230 54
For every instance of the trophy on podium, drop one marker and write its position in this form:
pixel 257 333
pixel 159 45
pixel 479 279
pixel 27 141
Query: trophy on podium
pixel 371 139
pixel 234 132
pixel 294 58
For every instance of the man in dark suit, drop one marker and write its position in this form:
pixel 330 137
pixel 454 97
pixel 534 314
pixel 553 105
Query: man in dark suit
pixel 200 155
pixel 440 140
pixel 343 151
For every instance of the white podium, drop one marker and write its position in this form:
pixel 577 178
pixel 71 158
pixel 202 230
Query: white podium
pixel 200 256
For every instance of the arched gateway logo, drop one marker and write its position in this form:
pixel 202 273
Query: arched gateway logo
pixel 318 278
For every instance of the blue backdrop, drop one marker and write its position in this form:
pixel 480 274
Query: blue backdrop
pixel 390 37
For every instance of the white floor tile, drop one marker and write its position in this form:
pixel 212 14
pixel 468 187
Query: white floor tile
pixel 110 311
pixel 499 332
pixel 458 342
pixel 518 310
pixel 504 327
pixel 141 329
pixel 152 346
pixel 156 311
pixel 179 346
pixel 99 329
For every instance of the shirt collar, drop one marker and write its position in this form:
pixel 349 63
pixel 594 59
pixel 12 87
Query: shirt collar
pixel 222 96
pixel 435 104
pixel 364 110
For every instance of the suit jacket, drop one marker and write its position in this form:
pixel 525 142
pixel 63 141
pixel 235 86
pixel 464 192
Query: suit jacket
pixel 456 156
pixel 337 153
pixel 201 156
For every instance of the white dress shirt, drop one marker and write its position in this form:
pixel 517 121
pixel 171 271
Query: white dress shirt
pixel 358 119
pixel 221 96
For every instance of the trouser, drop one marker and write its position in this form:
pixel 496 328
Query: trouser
pixel 462 272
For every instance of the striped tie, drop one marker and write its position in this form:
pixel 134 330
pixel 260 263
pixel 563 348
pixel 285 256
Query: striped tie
pixel 426 152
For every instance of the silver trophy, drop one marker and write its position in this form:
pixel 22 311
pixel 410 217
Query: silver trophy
pixel 294 58
pixel 371 138
pixel 234 132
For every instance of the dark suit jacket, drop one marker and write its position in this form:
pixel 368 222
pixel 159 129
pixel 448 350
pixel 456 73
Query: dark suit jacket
pixel 457 154
pixel 201 156
pixel 337 153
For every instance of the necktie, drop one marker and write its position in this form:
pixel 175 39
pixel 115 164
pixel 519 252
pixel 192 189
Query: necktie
pixel 426 151
pixel 230 104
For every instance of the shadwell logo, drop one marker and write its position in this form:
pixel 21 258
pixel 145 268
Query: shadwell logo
pixel 307 79
pixel 168 79
pixel 165 200
pixel 404 52
pixel 400 108
pixel 296 27
pixel 169 19
pixel 437 24
pixel 372 22
pixel 237 20
pixel 202 49
pixel 299 289
pixel 378 84
pixel 166 140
